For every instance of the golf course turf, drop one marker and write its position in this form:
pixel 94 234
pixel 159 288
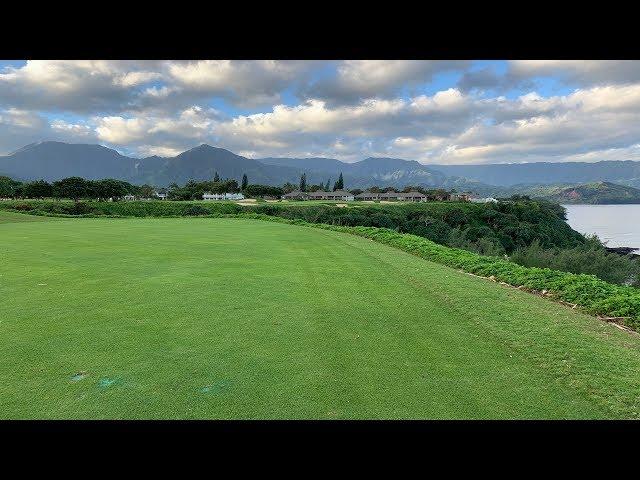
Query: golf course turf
pixel 236 318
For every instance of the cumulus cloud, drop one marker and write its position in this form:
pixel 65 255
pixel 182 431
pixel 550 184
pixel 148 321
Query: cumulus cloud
pixel 21 127
pixel 247 83
pixel 315 128
pixel 450 127
pixel 72 85
pixel 365 108
pixel 361 79
pixel 580 72
pixel 526 74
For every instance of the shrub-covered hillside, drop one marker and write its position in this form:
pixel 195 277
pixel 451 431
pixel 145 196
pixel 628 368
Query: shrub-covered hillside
pixel 587 193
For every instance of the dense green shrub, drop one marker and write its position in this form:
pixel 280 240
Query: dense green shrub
pixel 24 207
pixel 590 258
pixel 38 189
pixel 9 187
pixel 195 210
pixel 255 190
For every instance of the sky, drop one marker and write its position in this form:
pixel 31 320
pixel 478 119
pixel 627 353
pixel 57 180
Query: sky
pixel 435 112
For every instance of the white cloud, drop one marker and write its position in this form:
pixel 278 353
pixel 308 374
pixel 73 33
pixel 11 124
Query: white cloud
pixel 74 85
pixel 248 83
pixel 75 130
pixel 361 79
pixel 122 131
pixel 581 72
pixel 160 151
pixel 365 109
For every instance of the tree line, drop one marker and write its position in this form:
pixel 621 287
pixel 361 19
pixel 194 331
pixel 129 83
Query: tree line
pixel 77 188
pixel 74 188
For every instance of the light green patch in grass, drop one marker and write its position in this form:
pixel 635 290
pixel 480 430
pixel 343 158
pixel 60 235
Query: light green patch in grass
pixel 11 217
pixel 236 318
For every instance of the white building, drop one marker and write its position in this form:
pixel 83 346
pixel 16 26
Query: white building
pixel 129 197
pixel 222 196
pixel 161 196
pixel 484 200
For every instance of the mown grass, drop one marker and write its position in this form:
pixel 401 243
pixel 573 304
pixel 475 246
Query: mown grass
pixel 241 318
pixel 595 295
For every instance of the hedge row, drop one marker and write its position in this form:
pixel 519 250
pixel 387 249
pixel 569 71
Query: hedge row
pixel 121 209
pixel 588 292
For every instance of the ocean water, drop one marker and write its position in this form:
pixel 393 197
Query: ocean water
pixel 618 225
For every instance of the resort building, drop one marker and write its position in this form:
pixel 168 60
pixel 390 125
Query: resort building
pixel 460 197
pixel 368 196
pixel 412 197
pixel 296 195
pixel 484 200
pixel 393 196
pixel 338 195
pixel 222 196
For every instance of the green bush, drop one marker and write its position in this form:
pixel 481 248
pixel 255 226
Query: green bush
pixel 590 258
pixel 196 210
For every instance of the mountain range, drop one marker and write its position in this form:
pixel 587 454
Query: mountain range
pixel 586 193
pixel 55 160
pixel 545 173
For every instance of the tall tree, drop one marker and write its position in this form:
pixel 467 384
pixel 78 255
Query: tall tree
pixel 303 182
pixel 216 177
pixel 38 189
pixel 339 185
pixel 288 187
pixel 108 188
pixel 327 185
pixel 245 182
pixel 9 187
pixel 72 187
pixel 147 191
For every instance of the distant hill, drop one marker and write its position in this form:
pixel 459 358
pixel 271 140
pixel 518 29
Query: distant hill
pixel 380 171
pixel 545 173
pixel 202 162
pixel 311 164
pixel 589 193
pixel 55 160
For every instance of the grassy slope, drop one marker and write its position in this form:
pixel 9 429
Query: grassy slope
pixel 229 318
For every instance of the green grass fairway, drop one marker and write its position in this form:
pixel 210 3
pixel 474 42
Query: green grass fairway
pixel 230 318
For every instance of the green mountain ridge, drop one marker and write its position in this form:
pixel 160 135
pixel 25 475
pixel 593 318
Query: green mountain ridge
pixel 587 193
